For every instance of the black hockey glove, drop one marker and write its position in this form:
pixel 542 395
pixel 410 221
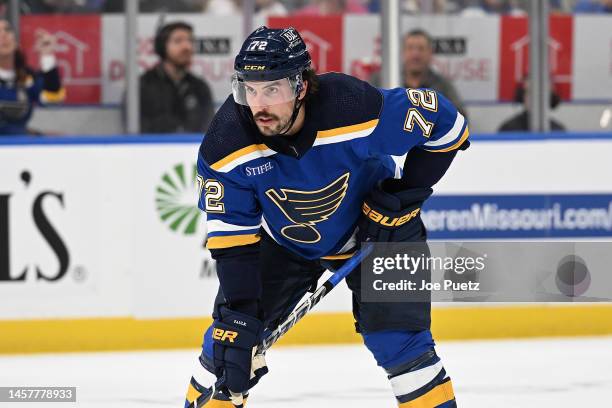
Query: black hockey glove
pixel 393 215
pixel 235 337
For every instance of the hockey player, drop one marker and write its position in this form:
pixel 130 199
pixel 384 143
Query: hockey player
pixel 284 169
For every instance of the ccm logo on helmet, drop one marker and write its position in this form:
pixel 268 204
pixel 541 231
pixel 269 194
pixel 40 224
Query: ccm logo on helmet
pixel 255 67
pixel 222 335
pixel 385 220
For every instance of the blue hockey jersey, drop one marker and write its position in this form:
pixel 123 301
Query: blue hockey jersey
pixel 18 97
pixel 308 197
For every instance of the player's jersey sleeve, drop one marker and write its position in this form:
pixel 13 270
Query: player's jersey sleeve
pixel 233 215
pixel 420 118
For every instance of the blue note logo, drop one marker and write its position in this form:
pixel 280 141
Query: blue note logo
pixel 306 208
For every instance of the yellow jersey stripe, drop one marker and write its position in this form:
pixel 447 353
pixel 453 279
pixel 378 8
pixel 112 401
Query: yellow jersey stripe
pixel 436 396
pixel 338 256
pixel 231 240
pixel 347 129
pixel 53 97
pixel 465 135
pixel 237 154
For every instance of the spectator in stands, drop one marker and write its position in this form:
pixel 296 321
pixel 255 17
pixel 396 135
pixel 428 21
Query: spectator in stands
pixel 171 98
pixel 520 122
pixel 593 6
pixel 417 54
pixel 331 7
pixel 20 86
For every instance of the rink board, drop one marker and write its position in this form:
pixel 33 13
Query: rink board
pixel 101 243
pixel 462 323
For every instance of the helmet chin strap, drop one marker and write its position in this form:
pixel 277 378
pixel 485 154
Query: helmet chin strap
pixel 297 105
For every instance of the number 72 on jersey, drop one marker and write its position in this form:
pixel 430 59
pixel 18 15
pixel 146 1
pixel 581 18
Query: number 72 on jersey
pixel 427 99
pixel 213 194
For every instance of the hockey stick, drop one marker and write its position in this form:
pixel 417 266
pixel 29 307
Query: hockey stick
pixel 303 308
pixel 298 313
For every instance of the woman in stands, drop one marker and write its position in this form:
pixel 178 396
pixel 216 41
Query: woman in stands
pixel 20 86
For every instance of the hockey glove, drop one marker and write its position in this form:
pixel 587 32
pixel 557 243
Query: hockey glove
pixel 389 215
pixel 200 391
pixel 235 337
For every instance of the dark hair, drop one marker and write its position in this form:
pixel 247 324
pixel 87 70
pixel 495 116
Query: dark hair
pixel 313 83
pixel 420 33
pixel 19 60
pixel 21 67
pixel 163 34
pixel 519 95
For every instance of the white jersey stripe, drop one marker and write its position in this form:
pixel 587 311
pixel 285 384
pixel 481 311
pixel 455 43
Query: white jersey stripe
pixel 220 226
pixel 246 158
pixel 452 135
pixel 413 380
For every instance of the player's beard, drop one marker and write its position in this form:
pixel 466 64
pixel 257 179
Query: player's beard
pixel 278 127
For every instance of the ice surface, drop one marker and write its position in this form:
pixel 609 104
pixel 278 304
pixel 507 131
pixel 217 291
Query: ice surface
pixel 510 373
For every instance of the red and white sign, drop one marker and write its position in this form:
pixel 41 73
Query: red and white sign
pixel 465 56
pixel 78 51
pixel 468 58
pixel 485 57
pixel 322 35
pixel 515 55
pixel 592 62
pixel 362 51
